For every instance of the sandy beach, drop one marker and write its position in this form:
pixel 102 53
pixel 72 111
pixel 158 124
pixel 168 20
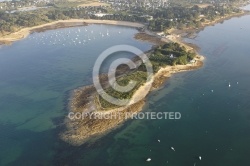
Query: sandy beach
pixel 23 33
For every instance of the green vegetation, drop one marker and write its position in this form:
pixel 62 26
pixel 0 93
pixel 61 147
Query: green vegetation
pixel 170 54
pixel 11 22
pixel 167 54
pixel 159 19
pixel 139 76
pixel 182 17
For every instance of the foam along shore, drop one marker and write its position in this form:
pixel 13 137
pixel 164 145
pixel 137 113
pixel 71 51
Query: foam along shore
pixel 24 32
pixel 88 129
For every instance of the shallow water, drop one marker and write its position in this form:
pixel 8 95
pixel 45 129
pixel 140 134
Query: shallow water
pixel 36 76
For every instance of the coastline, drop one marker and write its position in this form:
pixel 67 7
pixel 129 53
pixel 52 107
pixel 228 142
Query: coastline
pixel 80 131
pixel 24 32
pixel 84 100
pixel 192 32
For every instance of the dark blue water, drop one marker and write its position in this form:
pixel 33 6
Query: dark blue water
pixel 215 124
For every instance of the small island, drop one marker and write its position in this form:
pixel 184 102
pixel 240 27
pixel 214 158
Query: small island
pixel 166 59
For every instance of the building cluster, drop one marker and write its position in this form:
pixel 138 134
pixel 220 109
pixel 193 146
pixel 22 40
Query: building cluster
pixel 23 5
pixel 131 4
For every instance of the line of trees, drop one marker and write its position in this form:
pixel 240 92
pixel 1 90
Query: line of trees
pixel 11 22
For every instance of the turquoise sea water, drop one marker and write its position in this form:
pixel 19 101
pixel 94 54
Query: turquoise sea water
pixel 36 77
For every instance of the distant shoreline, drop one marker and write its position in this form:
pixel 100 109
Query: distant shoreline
pixel 191 32
pixel 24 32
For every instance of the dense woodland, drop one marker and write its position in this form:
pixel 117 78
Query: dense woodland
pixel 170 54
pixel 182 17
pixel 10 22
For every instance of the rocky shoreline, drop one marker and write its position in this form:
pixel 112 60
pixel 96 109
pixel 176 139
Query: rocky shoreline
pixel 83 101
